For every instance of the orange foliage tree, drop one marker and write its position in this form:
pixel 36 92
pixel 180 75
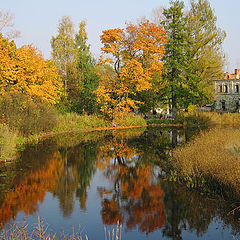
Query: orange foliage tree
pixel 25 70
pixel 135 54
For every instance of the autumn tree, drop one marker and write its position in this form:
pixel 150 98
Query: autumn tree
pixel 135 54
pixel 24 70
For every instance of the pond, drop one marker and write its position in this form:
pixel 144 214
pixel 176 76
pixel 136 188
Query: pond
pixel 110 181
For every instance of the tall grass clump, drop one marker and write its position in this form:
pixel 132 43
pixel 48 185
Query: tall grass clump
pixel 8 143
pixel 26 116
pixel 212 156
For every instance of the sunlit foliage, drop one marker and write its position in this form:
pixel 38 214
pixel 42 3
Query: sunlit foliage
pixel 135 55
pixel 24 70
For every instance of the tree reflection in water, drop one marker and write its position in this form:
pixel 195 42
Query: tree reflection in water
pixel 65 172
pixel 135 198
pixel 28 192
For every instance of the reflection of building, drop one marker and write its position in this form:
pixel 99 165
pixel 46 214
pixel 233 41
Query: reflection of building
pixel 227 92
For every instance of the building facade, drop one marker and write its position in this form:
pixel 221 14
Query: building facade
pixel 227 93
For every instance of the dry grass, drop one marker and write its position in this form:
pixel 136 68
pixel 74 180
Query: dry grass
pixel 229 119
pixel 211 155
pixel 113 233
pixel 40 232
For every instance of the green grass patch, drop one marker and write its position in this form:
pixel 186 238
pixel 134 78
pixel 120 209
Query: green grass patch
pixel 159 121
pixel 130 119
pixel 74 121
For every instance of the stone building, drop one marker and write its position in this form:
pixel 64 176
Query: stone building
pixel 227 93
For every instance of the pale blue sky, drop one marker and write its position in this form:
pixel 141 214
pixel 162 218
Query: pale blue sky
pixel 38 20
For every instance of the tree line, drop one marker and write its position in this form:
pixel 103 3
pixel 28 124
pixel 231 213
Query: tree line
pixel 169 61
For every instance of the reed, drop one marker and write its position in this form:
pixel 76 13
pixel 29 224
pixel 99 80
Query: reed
pixel 74 121
pixel 39 232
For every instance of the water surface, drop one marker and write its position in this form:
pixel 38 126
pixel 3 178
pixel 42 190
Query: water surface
pixel 110 180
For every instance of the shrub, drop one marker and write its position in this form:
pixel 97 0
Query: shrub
pixel 26 116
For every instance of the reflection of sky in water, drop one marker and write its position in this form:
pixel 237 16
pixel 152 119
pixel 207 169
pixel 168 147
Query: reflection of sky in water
pixel 90 221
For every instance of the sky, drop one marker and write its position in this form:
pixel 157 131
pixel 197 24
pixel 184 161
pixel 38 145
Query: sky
pixel 37 20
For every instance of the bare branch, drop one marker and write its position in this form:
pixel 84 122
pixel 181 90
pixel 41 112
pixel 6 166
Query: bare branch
pixel 6 24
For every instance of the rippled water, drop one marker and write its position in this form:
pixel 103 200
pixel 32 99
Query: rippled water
pixel 110 180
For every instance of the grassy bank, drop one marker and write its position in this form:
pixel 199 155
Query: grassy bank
pixel 182 119
pixel 73 121
pixel 14 134
pixel 212 157
pixel 199 118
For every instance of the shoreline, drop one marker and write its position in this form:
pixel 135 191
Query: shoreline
pixel 52 134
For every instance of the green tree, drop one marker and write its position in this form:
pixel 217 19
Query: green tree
pixel 175 57
pixel 193 53
pixel 86 99
pixel 207 40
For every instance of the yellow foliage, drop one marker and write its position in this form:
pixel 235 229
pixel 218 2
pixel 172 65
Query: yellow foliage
pixel 25 70
pixel 136 56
